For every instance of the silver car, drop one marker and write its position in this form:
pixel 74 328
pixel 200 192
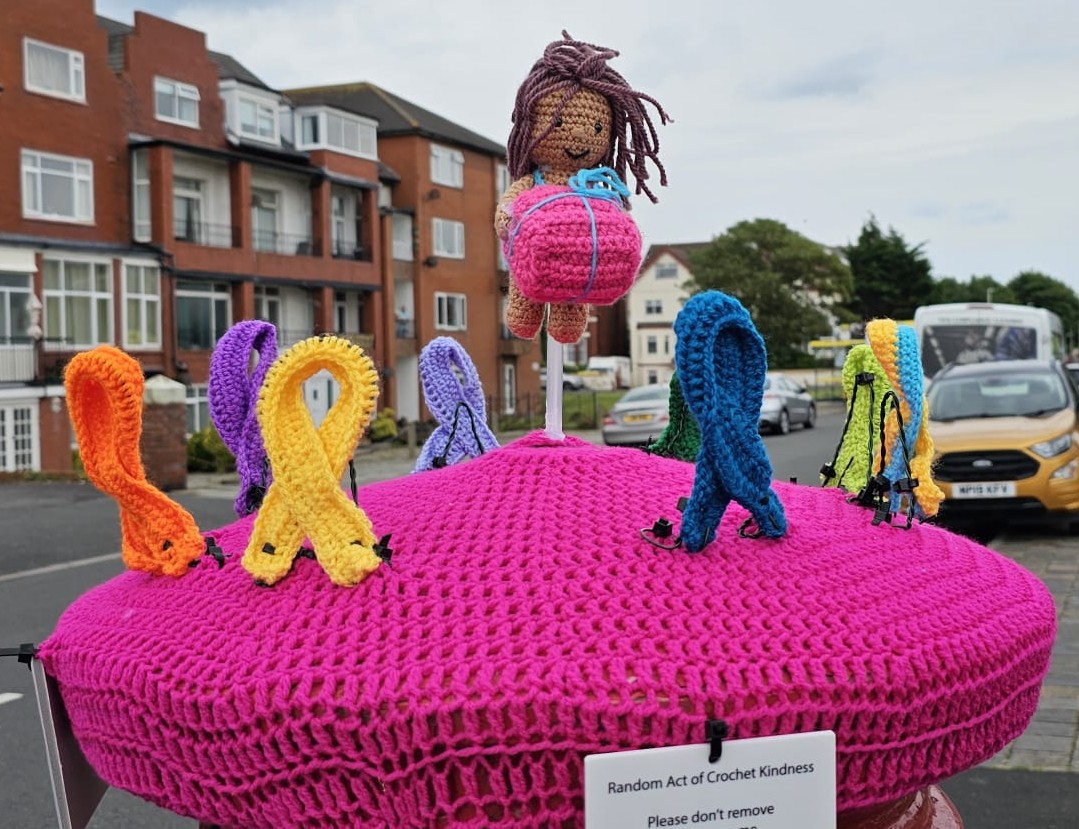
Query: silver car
pixel 638 417
pixel 785 402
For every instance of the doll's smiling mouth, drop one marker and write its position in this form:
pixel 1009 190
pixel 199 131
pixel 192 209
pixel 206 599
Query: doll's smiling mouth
pixel 576 156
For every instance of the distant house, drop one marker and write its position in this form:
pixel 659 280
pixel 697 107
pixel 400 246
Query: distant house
pixel 655 300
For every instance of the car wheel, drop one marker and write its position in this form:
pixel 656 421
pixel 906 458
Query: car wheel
pixel 811 417
pixel 568 386
pixel 783 427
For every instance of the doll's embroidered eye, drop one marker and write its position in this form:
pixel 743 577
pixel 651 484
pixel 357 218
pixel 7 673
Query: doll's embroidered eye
pixel 558 121
pixel 599 127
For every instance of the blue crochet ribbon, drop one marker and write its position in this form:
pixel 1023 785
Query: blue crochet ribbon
pixel 232 393
pixel 600 183
pixel 911 381
pixel 721 362
pixel 454 394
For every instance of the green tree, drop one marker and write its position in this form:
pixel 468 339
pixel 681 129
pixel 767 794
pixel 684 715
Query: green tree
pixel 975 289
pixel 786 282
pixel 1035 288
pixel 891 278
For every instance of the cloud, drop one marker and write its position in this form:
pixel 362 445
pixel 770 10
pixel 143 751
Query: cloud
pixel 848 76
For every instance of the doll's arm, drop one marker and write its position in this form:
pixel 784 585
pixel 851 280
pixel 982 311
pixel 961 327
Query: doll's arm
pixel 502 211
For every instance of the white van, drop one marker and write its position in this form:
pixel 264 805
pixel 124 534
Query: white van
pixel 608 373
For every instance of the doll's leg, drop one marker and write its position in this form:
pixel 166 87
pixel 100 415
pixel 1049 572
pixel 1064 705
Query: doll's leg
pixel 566 323
pixel 523 316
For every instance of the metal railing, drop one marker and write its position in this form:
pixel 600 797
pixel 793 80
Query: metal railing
pixel 16 359
pixel 344 249
pixel 205 233
pixel 290 244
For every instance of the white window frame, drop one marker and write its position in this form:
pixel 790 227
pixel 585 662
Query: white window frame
pixel 402 236
pixel 148 302
pixel 141 225
pixel 8 453
pixel 11 297
pixel 666 270
pixel 651 344
pixel 366 132
pixel 653 307
pixel 179 91
pixel 182 187
pixel 76 69
pixel 196 399
pixel 262 108
pixel 445 231
pixel 444 312
pixel 338 223
pixel 212 292
pixel 82 172
pixel 268 304
pixel 447 166
pixel 266 200
pixel 61 294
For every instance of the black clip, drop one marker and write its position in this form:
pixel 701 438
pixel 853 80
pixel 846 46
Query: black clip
pixel 905 485
pixel 216 552
pixel 306 552
pixel 662 528
pixel 683 502
pixel 715 732
pixel 883 513
pixel 25 652
pixel 382 549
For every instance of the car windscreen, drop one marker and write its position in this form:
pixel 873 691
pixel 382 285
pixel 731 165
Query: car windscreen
pixel 975 343
pixel 644 394
pixel 999 395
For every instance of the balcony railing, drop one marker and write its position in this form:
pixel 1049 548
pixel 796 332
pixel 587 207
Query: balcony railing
pixel 345 249
pixel 288 337
pixel 405 329
pixel 291 244
pixel 204 233
pixel 16 359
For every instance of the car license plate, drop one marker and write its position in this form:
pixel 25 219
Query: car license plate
pixel 637 418
pixel 984 489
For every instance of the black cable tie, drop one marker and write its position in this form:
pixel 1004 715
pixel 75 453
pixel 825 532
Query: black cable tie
pixel 715 732
pixel 683 502
pixel 269 548
pixel 905 485
pixel 883 513
pixel 382 549
pixel 662 528
pixel 750 529
pixel 25 652
pixel 352 481
pixel 827 472
pixel 305 552
pixel 866 378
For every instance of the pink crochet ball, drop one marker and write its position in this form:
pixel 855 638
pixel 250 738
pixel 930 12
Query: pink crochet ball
pixel 566 250
pixel 524 624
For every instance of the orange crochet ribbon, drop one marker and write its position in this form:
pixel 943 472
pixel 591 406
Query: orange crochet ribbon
pixel 305 496
pixel 104 396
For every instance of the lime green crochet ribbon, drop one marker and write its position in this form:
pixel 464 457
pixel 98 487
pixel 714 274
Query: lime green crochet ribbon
pixel 864 386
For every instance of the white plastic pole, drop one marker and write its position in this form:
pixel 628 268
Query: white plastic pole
pixel 553 427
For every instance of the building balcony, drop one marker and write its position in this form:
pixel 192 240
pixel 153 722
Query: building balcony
pixel 344 249
pixel 510 346
pixel 16 359
pixel 288 337
pixel 289 244
pixel 204 233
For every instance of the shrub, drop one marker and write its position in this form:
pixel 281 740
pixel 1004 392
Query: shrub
pixel 206 452
pixel 383 427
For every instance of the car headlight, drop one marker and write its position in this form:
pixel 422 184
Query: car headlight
pixel 1054 447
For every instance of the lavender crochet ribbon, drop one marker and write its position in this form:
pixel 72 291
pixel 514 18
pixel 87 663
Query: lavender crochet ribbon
pixel 454 394
pixel 232 394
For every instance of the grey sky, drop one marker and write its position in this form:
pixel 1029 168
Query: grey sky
pixel 957 122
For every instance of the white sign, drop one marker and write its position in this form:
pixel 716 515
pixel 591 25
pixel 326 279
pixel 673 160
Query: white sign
pixel 784 782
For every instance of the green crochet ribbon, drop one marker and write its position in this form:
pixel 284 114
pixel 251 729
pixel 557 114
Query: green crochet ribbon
pixel 681 439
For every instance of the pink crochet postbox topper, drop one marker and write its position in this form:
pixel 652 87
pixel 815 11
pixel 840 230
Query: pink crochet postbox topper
pixel 524 624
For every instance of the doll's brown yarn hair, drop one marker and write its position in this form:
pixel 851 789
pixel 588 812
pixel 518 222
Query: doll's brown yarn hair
pixel 572 65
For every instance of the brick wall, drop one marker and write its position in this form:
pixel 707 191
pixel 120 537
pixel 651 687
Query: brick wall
pixel 54 429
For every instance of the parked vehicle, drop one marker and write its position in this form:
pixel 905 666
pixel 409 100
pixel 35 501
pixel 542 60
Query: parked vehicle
pixel 974 332
pixel 638 417
pixel 570 382
pixel 785 402
pixel 613 372
pixel 1007 438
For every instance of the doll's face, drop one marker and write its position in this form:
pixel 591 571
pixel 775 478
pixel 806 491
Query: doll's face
pixel 581 134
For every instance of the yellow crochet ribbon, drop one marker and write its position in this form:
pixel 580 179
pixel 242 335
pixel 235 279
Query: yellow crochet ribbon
pixel 883 336
pixel 305 497
pixel 104 396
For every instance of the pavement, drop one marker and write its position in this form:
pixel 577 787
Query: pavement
pixel 1032 782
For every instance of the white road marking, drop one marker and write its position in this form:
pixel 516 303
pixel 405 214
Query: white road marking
pixel 58 568
pixel 6 698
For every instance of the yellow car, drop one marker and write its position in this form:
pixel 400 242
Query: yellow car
pixel 1006 436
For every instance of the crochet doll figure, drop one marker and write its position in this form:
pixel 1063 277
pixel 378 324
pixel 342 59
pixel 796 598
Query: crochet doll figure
pixel 572 115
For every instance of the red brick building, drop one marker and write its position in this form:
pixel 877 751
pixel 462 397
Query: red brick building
pixel 156 192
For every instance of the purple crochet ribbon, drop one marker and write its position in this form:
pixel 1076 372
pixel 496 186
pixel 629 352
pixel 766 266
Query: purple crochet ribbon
pixel 232 394
pixel 454 394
